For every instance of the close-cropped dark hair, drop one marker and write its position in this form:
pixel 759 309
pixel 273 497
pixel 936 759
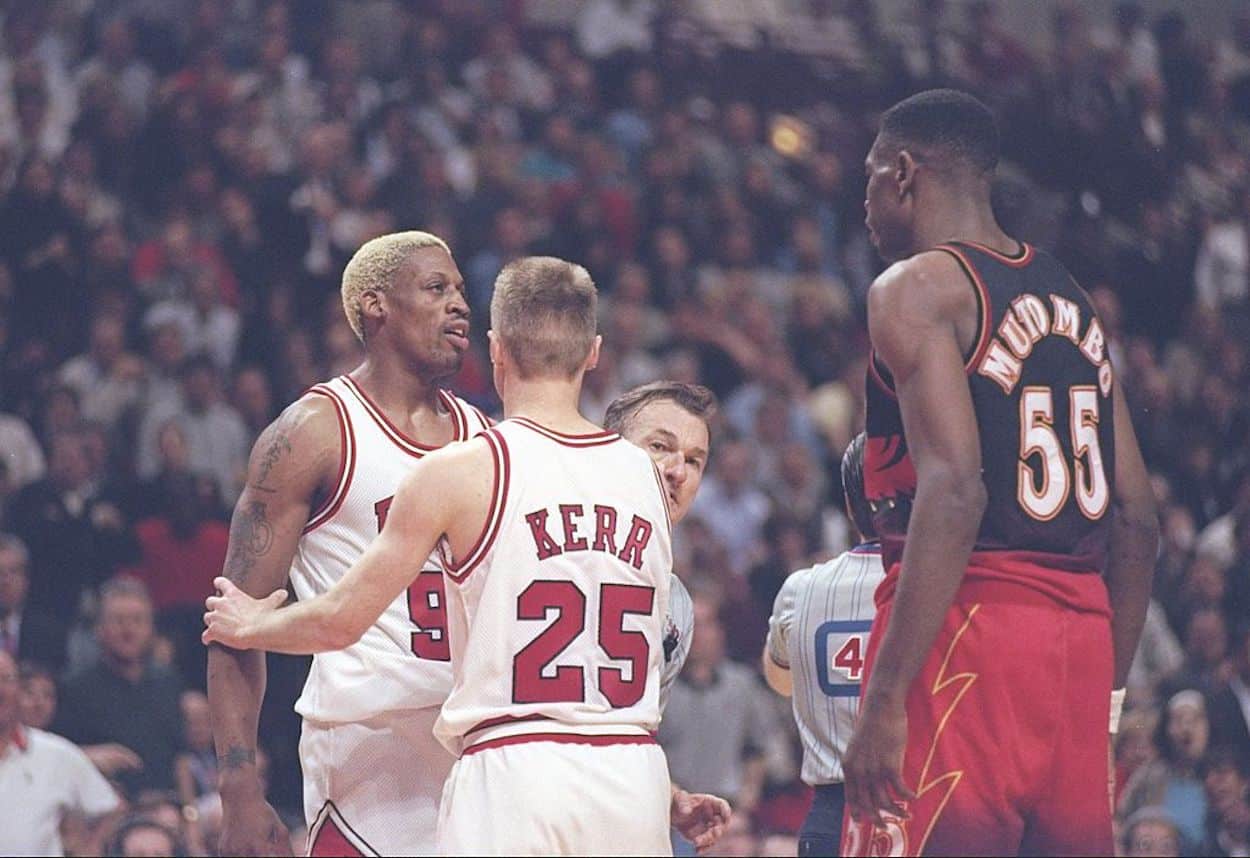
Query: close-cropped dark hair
pixel 695 398
pixel 944 125
pixel 853 487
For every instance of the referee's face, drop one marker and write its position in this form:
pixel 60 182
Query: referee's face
pixel 677 442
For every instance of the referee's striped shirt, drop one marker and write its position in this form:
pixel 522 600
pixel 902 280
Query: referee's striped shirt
pixel 819 631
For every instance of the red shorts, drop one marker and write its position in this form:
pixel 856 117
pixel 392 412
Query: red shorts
pixel 1007 735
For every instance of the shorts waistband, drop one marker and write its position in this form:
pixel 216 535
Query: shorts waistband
pixel 549 730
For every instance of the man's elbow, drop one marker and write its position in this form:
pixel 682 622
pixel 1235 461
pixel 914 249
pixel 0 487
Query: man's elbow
pixel 339 633
pixel 961 492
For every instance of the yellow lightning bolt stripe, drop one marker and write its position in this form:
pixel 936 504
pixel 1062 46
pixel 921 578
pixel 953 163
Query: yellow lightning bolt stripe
pixel 939 683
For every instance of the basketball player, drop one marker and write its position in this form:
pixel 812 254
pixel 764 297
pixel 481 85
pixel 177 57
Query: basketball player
pixel 671 421
pixel 1017 523
pixel 320 483
pixel 556 546
pixel 814 654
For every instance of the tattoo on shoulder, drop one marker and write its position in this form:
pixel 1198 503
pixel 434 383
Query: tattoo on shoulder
pixel 237 756
pixel 251 537
pixel 279 446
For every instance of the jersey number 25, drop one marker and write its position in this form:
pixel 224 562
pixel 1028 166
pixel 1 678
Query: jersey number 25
pixel 533 678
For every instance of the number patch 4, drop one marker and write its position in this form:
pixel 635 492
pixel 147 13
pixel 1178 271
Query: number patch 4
pixel 841 648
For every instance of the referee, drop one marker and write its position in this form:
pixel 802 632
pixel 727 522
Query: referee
pixel 814 654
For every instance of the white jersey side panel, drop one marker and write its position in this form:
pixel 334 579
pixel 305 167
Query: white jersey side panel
pixel 557 615
pixel 403 660
pixel 819 630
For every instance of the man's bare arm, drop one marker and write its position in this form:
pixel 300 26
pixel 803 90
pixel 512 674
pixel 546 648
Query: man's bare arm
pixel 1134 542
pixel 913 313
pixel 287 470
pixel 460 478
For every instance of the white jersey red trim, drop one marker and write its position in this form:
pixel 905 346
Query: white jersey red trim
pixel 562 618
pixel 403 660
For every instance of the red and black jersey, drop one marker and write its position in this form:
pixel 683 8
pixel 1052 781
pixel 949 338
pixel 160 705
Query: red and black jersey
pixel 1041 384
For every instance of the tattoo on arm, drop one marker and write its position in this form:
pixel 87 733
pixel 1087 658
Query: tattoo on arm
pixel 278 446
pixel 237 756
pixel 251 537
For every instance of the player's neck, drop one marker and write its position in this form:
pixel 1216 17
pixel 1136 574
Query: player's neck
pixel 962 220
pixel 398 391
pixel 550 402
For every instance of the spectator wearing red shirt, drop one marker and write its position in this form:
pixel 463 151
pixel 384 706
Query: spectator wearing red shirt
pixel 181 549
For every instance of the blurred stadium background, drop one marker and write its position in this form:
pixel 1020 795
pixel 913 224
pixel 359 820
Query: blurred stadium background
pixel 181 182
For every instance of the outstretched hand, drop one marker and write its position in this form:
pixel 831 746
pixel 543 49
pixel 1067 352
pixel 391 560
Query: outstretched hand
pixel 700 818
pixel 233 616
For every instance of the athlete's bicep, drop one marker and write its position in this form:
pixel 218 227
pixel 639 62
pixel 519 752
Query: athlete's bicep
pixel 286 470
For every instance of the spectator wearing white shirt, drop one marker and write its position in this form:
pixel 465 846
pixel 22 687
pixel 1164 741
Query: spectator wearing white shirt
pixel 1222 270
pixel 208 324
pixel 44 779
pixel 22 457
pixel 107 379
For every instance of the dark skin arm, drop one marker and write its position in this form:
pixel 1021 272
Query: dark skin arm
pixel 291 467
pixel 920 316
pixel 1134 542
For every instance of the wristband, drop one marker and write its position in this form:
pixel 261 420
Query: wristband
pixel 1117 704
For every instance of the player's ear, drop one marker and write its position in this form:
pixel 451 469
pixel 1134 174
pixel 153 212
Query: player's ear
pixel 495 347
pixel 592 359
pixel 373 305
pixel 904 172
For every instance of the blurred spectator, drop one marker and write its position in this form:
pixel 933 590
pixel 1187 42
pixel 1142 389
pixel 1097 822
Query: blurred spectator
pixel 47 779
pixel 73 526
pixel 182 547
pixel 125 698
pixel 216 436
pixel 208 325
pixel 107 379
pixel 732 506
pixel 37 703
pixel 25 633
pixel 728 761
pixel 1226 776
pixel 140 837
pixel 1159 656
pixel 1172 781
pixel 1152 833
pixel 252 397
pixel 195 768
pixel 1223 264
pixel 23 457
pixel 1229 705
pixel 1134 746
pixel 116 69
pixel 1207 666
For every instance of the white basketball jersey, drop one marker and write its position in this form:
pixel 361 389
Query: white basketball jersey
pixel 403 661
pixel 557 615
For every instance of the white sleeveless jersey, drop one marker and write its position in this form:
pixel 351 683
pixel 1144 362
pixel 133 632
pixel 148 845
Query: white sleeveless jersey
pixel 819 630
pixel 557 615
pixel 403 660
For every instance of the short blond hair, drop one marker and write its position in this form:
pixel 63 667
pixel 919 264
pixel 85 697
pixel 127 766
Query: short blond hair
pixel 373 268
pixel 543 310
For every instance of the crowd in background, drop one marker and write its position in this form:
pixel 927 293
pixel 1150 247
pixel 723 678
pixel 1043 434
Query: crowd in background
pixel 181 183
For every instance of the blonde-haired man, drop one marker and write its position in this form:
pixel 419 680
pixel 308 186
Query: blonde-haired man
pixel 320 484
pixel 556 543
